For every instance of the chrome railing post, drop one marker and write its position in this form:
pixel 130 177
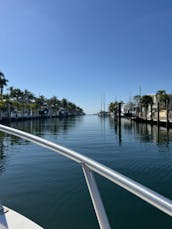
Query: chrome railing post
pixel 96 198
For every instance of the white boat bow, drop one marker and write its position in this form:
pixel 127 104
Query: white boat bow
pixel 10 219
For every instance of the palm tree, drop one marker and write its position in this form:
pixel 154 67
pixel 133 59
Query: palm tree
pixel 162 98
pixel 16 93
pixel 64 103
pixel 79 109
pixel 40 101
pixel 162 103
pixel 28 96
pixel 145 101
pixel 113 106
pixel 54 102
pixel 3 82
pixel 10 89
pixel 71 107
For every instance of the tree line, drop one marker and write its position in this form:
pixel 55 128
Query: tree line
pixel 19 99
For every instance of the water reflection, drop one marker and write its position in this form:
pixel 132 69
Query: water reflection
pixel 2 153
pixel 38 127
pixel 152 133
pixel 143 132
pixel 124 130
pixel 117 126
pixel 5 142
pixel 53 126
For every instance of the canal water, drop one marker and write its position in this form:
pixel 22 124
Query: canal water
pixel 51 190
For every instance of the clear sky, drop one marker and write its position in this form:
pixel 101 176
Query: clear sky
pixel 83 49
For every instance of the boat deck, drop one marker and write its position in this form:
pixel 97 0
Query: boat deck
pixel 10 219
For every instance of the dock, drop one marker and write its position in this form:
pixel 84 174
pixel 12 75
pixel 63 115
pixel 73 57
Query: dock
pixel 154 121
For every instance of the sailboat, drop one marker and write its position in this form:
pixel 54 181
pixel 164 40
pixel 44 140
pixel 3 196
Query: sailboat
pixel 103 112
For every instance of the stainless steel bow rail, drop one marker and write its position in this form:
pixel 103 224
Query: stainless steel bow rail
pixel 89 166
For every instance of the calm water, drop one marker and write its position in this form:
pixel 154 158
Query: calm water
pixel 51 189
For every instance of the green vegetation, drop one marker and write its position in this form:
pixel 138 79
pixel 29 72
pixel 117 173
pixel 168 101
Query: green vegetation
pixel 24 100
pixel 145 101
pixel 113 106
pixel 3 82
pixel 162 98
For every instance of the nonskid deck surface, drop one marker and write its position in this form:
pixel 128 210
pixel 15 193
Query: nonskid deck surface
pixel 10 219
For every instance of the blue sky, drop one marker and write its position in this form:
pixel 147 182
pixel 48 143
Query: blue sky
pixel 83 49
